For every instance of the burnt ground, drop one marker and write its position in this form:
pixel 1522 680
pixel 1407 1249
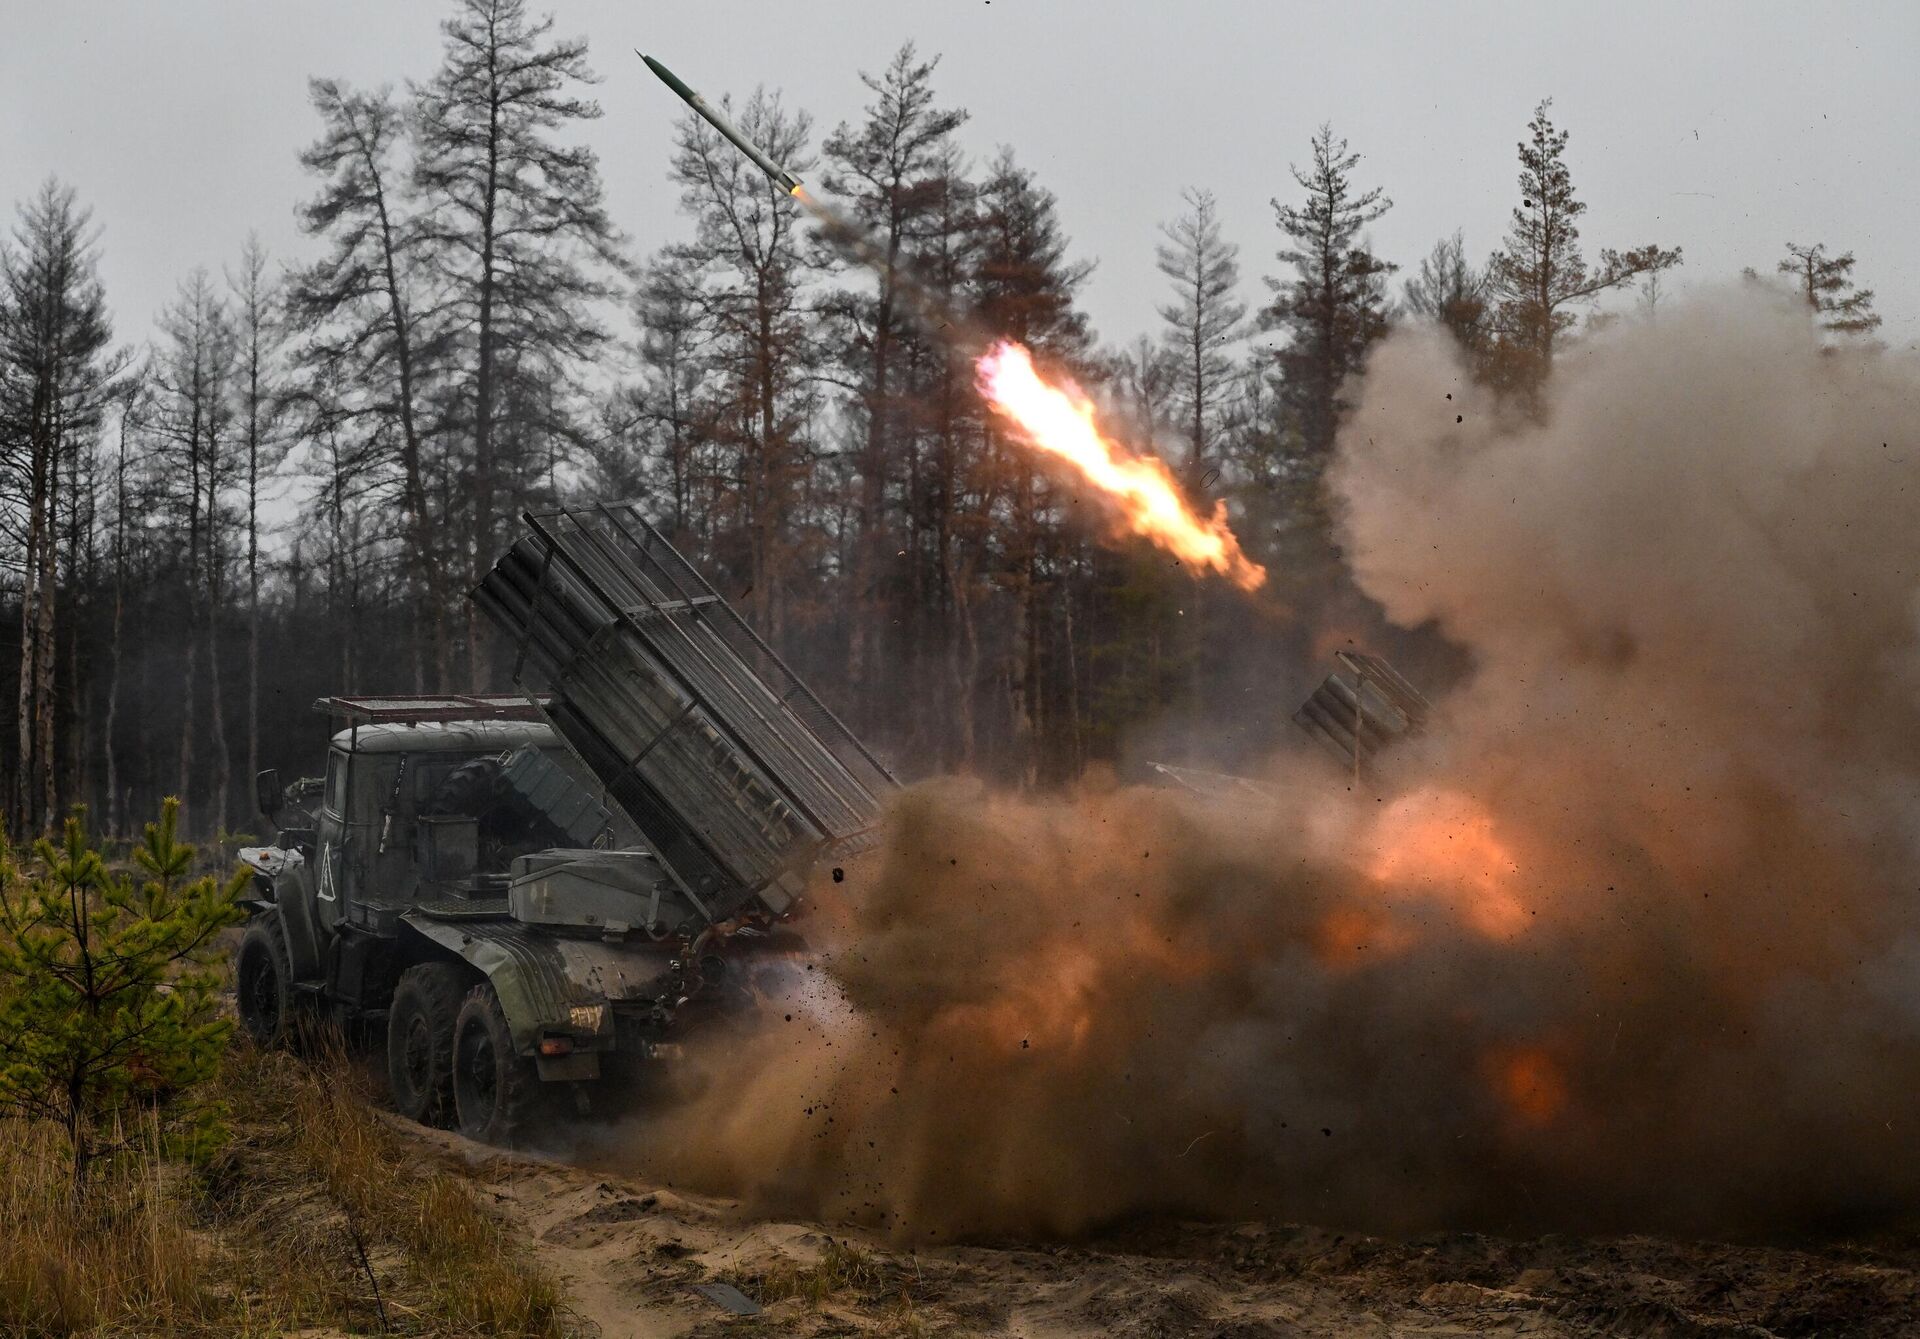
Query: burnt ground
pixel 630 1255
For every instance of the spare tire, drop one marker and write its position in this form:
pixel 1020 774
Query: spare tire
pixel 470 790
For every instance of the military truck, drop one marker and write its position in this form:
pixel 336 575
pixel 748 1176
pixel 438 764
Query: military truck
pixel 552 890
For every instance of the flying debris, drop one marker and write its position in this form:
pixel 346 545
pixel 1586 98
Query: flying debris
pixel 779 175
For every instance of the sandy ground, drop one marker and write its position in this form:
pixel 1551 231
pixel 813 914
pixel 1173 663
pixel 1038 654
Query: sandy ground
pixel 630 1255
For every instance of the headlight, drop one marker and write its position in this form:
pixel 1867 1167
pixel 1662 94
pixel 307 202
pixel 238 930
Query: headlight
pixel 587 1017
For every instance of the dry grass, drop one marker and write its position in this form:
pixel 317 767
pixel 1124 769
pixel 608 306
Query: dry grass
pixel 840 1272
pixel 128 1250
pixel 314 1213
pixel 876 1295
pixel 443 1265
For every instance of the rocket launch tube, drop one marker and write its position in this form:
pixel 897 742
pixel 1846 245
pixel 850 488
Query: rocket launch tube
pixel 779 175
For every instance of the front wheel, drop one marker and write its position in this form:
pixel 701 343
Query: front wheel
pixel 263 982
pixel 493 1088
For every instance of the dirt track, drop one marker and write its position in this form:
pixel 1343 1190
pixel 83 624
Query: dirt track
pixel 630 1255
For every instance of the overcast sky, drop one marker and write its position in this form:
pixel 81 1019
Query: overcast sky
pixel 1725 129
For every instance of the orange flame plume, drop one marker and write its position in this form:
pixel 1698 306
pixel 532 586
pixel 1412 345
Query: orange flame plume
pixel 1059 420
pixel 1530 1081
pixel 1445 845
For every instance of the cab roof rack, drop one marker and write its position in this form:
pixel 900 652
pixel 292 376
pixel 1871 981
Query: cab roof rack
pixel 423 708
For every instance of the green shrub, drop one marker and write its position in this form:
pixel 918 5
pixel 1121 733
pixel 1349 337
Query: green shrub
pixel 109 1015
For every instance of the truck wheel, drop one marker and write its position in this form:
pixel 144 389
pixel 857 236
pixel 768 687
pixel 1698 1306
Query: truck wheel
pixel 493 1088
pixel 263 982
pixel 420 1041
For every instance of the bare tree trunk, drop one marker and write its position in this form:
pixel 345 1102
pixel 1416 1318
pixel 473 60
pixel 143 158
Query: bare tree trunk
pixel 762 519
pixel 189 686
pixel 869 544
pixel 1023 680
pixel 116 814
pixel 337 576
pixel 83 578
pixel 965 672
pixel 24 782
pixel 221 755
pixel 217 712
pixel 483 480
pixel 47 649
pixel 189 680
pixel 253 570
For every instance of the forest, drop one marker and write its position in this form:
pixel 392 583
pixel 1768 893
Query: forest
pixel 285 487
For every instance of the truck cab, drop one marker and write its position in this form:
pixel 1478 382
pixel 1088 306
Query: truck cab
pixel 387 900
pixel 415 809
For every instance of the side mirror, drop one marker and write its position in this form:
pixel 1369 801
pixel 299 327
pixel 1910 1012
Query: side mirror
pixel 267 793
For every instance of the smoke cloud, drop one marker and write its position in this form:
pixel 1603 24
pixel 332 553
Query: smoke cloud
pixel 1627 940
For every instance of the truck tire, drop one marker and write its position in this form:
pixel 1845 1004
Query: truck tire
pixel 263 982
pixel 420 1041
pixel 494 1089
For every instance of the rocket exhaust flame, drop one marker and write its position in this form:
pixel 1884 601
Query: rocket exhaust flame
pixel 1053 419
pixel 1060 422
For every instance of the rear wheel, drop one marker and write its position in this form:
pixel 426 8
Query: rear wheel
pixel 493 1088
pixel 420 1041
pixel 263 982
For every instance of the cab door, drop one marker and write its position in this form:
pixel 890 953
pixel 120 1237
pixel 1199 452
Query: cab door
pixel 332 880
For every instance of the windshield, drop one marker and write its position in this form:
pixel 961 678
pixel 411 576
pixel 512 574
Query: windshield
pixel 389 792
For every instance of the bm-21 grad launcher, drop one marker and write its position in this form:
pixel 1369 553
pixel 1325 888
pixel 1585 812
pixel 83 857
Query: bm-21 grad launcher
pixel 737 777
pixel 456 880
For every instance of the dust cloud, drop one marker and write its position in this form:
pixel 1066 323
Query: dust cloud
pixel 1630 939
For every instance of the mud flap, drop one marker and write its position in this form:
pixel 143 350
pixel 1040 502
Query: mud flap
pixel 527 973
pixel 579 1065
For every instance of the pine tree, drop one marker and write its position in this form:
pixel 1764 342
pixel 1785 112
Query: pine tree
pixel 135 405
pixel 259 330
pixel 748 271
pixel 513 219
pixel 1024 286
pixel 1826 282
pixel 1203 322
pixel 890 172
pixel 193 370
pixel 112 992
pixel 57 376
pixel 1146 378
pixel 1539 275
pixel 655 439
pixel 363 356
pixel 1142 618
pixel 1453 295
pixel 950 489
pixel 1334 307
pixel 1024 290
